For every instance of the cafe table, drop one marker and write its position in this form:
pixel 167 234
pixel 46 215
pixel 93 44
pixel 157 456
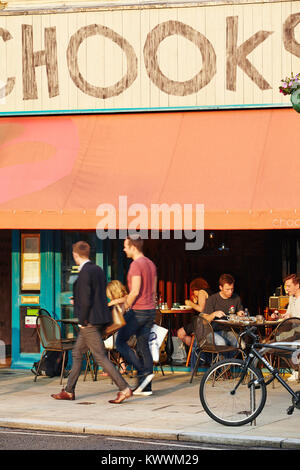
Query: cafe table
pixel 265 327
pixel 241 323
pixel 172 312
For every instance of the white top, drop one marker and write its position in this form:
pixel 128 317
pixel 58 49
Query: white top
pixel 294 307
pixel 81 266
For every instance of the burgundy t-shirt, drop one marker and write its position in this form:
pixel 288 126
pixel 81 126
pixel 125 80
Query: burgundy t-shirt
pixel 146 269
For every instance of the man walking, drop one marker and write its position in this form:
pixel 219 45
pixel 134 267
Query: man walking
pixel 140 314
pixel 90 306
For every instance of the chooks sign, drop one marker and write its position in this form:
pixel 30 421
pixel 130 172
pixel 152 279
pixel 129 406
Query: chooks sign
pixel 198 57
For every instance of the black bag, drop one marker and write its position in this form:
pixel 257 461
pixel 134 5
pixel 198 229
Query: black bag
pixel 51 364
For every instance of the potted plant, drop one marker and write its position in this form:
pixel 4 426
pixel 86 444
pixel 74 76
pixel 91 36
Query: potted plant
pixel 291 86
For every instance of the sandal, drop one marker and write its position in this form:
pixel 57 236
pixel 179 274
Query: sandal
pixel 122 368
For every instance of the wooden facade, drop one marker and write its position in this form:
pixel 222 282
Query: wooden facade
pixel 146 57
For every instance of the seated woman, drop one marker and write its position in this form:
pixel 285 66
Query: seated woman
pixel 117 293
pixel 200 291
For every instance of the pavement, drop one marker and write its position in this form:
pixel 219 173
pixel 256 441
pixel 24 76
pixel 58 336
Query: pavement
pixel 173 411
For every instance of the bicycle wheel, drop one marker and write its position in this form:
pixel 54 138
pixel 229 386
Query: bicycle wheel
pixel 228 407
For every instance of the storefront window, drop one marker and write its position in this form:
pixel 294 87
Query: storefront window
pixel 68 266
pixel 69 270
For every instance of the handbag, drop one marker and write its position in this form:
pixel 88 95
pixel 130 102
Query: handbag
pixel 118 321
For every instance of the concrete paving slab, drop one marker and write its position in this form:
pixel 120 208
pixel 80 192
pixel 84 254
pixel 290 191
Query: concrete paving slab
pixel 172 412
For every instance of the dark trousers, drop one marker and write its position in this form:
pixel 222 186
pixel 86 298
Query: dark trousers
pixel 139 323
pixel 89 338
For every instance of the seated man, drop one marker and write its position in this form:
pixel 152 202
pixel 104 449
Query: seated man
pixel 219 305
pixel 292 288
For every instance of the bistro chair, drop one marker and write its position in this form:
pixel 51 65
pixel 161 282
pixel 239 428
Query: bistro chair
pixel 113 354
pixel 91 366
pixel 49 333
pixel 287 331
pixel 205 340
pixel 90 363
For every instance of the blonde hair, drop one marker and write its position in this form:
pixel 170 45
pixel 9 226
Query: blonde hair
pixel 115 290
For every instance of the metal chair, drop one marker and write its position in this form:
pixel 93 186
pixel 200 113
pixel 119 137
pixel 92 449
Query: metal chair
pixel 287 331
pixel 91 366
pixel 205 340
pixel 49 333
pixel 113 356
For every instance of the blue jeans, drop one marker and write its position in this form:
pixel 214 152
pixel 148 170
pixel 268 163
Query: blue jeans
pixel 225 338
pixel 139 323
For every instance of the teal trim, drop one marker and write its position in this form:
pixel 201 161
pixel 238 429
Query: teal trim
pixel 57 274
pixel 15 301
pixel 168 368
pixel 25 361
pixel 100 253
pixel 107 260
pixel 47 271
pixel 134 110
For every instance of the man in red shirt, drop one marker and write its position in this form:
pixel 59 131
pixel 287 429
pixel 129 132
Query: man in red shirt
pixel 140 314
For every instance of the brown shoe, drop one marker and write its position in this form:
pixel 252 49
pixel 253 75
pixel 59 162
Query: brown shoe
pixel 63 395
pixel 122 395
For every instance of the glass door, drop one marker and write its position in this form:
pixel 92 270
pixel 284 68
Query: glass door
pixel 105 253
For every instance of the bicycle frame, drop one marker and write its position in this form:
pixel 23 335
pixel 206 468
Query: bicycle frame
pixel 253 353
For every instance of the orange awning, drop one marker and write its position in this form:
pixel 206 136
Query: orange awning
pixel 243 165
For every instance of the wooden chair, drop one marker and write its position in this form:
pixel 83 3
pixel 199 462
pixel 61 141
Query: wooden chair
pixel 205 338
pixel 49 333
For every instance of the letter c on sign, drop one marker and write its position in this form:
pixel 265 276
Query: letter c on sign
pixel 171 87
pixel 72 52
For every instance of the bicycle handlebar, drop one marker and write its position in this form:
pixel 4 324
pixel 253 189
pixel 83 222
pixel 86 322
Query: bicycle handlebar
pixel 251 332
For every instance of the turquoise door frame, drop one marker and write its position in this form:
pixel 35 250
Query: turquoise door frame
pixel 21 360
pixel 51 296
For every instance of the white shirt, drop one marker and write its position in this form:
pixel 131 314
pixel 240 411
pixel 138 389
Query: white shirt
pixel 294 307
pixel 87 261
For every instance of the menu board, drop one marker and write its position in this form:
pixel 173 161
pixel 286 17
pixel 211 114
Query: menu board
pixel 30 262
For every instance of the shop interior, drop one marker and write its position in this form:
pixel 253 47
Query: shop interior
pixel 257 259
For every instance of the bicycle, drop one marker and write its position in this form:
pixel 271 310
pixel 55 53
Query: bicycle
pixel 233 392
